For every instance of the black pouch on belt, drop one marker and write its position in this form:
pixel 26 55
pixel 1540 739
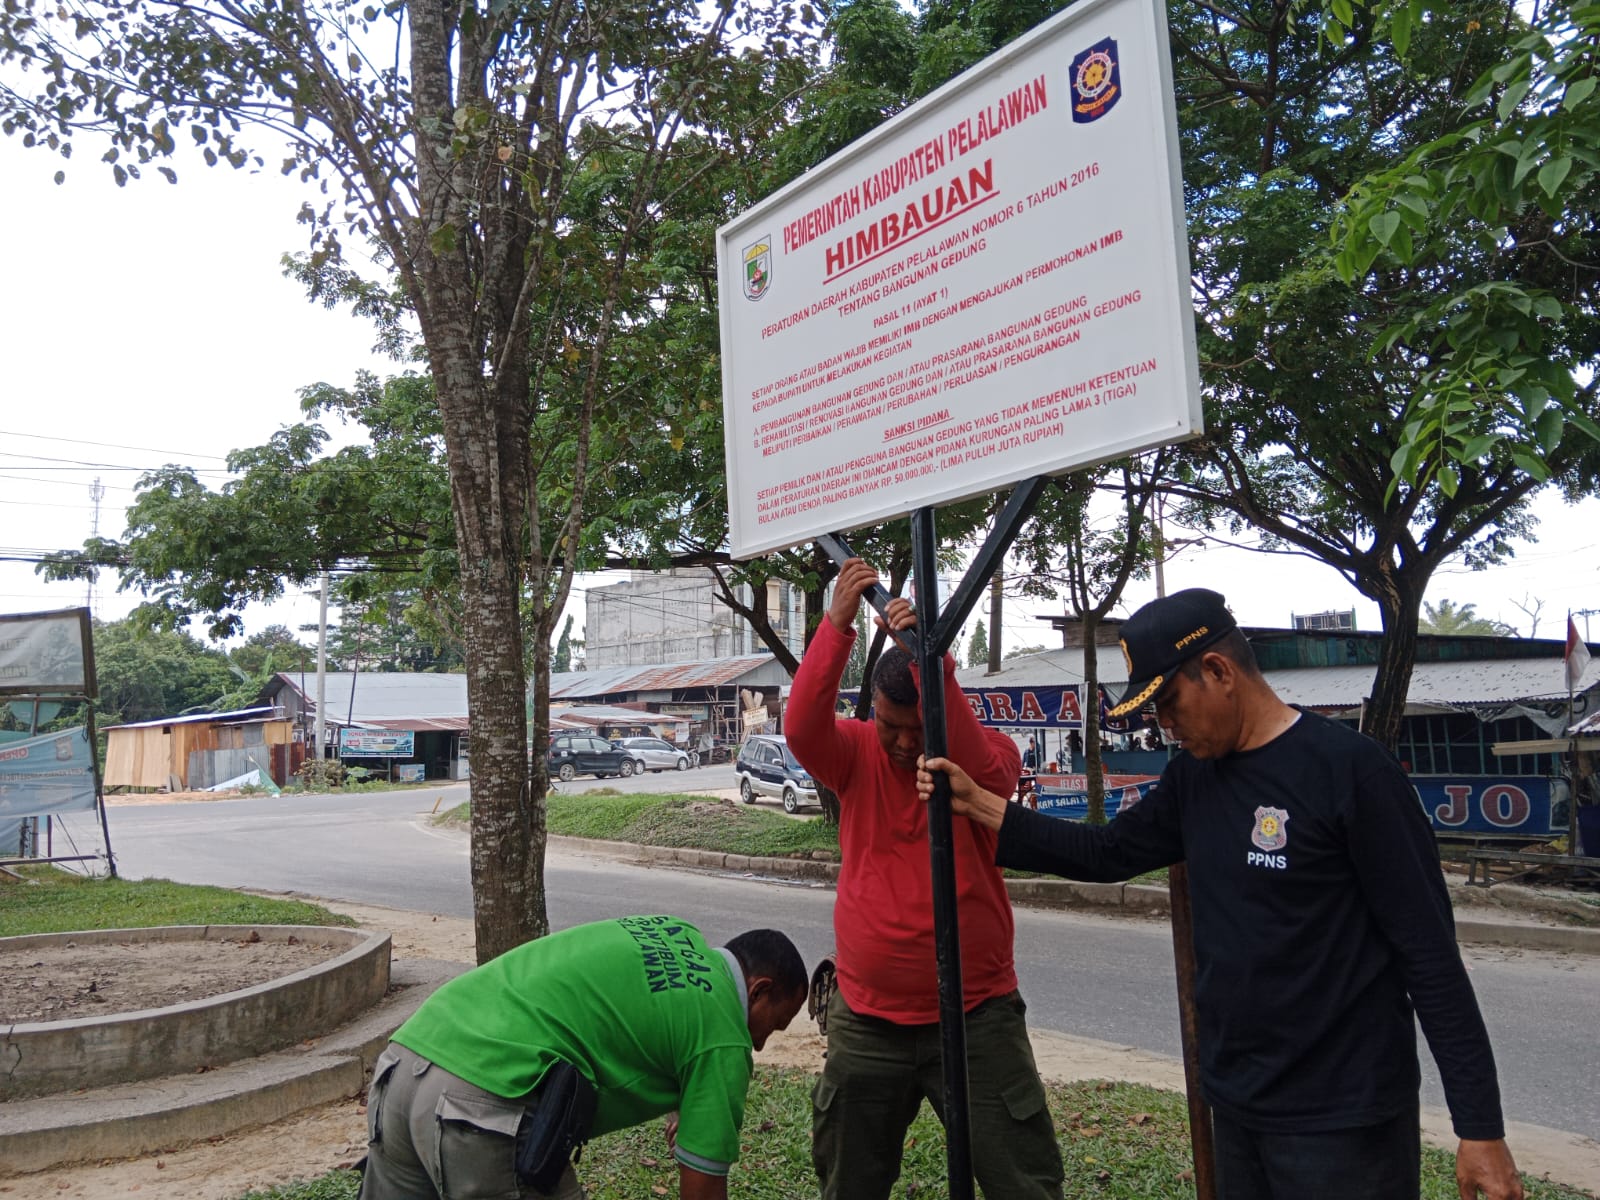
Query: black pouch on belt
pixel 555 1126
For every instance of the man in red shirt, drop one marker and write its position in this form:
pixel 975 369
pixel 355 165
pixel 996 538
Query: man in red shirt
pixel 883 1021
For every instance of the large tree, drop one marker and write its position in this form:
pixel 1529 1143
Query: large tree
pixel 457 141
pixel 1308 410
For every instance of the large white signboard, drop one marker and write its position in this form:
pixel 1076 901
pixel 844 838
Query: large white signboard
pixel 45 653
pixel 991 286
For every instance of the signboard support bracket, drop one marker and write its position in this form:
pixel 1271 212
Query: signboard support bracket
pixel 928 648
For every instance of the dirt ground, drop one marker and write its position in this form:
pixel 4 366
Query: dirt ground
pixel 59 983
pixel 313 1142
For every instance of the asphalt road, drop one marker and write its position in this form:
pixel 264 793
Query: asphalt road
pixel 1101 977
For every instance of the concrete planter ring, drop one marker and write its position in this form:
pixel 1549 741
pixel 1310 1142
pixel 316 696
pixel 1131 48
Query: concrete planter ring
pixel 43 1058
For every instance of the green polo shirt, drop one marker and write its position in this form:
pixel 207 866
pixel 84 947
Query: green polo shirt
pixel 652 1016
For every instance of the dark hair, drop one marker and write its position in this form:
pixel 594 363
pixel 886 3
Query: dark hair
pixel 892 678
pixel 770 953
pixel 1234 647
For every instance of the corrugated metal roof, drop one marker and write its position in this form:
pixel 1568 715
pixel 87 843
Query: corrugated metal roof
pixel 1050 667
pixel 1437 685
pixel 383 696
pixel 239 716
pixel 414 724
pixel 607 681
pixel 589 716
pixel 1590 724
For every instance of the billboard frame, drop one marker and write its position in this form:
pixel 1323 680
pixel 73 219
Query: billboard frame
pixel 755 222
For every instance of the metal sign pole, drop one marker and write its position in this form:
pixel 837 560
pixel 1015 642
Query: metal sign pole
pixel 1200 1140
pixel 942 858
pixel 935 633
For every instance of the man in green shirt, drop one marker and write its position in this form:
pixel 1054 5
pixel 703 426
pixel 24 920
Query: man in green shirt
pixel 653 1017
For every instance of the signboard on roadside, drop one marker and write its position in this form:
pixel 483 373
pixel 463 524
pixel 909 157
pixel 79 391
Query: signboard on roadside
pixel 991 286
pixel 376 743
pixel 46 653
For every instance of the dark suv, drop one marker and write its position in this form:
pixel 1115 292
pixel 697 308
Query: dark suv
pixel 574 754
pixel 766 767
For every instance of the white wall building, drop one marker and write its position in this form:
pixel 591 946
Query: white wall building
pixel 674 616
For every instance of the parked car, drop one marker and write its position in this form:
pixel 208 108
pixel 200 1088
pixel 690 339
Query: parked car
pixel 656 754
pixel 766 767
pixel 574 754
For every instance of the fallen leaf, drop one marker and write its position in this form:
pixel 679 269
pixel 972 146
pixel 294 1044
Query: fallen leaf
pixel 160 1165
pixel 767 1126
pixel 650 1162
pixel 658 1189
pixel 1140 1119
pixel 1102 1176
pixel 1186 1175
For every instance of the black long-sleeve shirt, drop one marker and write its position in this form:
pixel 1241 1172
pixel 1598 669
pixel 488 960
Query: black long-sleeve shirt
pixel 1320 920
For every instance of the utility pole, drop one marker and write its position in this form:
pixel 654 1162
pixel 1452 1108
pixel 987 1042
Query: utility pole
pixel 1586 613
pixel 322 665
pixel 97 493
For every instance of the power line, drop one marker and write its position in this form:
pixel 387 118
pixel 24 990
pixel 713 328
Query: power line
pixel 45 437
pixel 79 464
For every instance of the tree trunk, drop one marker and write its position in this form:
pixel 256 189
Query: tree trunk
pixel 1094 773
pixel 1399 603
pixel 488 489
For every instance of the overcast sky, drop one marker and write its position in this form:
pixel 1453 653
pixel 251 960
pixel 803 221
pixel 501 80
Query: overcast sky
pixel 152 324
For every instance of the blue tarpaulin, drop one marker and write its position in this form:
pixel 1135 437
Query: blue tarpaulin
pixel 52 773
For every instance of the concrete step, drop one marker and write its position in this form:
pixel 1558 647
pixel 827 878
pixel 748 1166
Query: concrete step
pixel 160 1114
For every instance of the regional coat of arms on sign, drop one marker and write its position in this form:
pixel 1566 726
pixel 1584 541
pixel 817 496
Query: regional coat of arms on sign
pixel 757 268
pixel 1096 81
pixel 1269 833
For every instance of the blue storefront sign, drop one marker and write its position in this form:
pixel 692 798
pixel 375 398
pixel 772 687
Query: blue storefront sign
pixel 1055 706
pixel 1519 805
pixel 1068 795
pixel 1486 804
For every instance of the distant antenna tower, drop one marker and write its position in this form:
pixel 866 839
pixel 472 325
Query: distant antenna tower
pixel 97 493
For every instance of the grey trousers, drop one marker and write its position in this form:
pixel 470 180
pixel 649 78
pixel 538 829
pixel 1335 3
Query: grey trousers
pixel 433 1136
pixel 877 1075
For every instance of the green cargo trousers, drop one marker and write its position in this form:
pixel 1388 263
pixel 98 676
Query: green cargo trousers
pixel 878 1073
pixel 432 1135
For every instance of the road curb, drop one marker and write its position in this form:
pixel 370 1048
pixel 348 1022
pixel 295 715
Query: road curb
pixel 1131 898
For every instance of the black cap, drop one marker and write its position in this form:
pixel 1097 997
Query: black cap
pixel 1165 634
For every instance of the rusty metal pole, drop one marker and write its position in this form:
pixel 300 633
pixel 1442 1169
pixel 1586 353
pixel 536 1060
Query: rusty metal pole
pixel 1205 1168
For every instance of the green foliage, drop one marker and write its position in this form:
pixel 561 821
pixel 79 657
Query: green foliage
pixel 562 660
pixel 978 645
pixel 335 1185
pixel 1494 212
pixel 322 774
pixel 688 821
pixel 58 902
pixel 1447 618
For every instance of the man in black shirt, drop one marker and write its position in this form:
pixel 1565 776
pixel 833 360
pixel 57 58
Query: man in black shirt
pixel 1321 922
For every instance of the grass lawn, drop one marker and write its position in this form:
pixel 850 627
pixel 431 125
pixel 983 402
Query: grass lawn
pixel 1119 1141
pixel 687 821
pixel 54 901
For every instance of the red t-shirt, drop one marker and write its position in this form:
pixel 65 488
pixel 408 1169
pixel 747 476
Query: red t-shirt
pixel 883 912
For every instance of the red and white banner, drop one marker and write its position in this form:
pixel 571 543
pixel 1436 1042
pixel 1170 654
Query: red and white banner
pixel 1577 656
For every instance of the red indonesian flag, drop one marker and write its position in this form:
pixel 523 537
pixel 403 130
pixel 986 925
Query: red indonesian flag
pixel 1577 657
